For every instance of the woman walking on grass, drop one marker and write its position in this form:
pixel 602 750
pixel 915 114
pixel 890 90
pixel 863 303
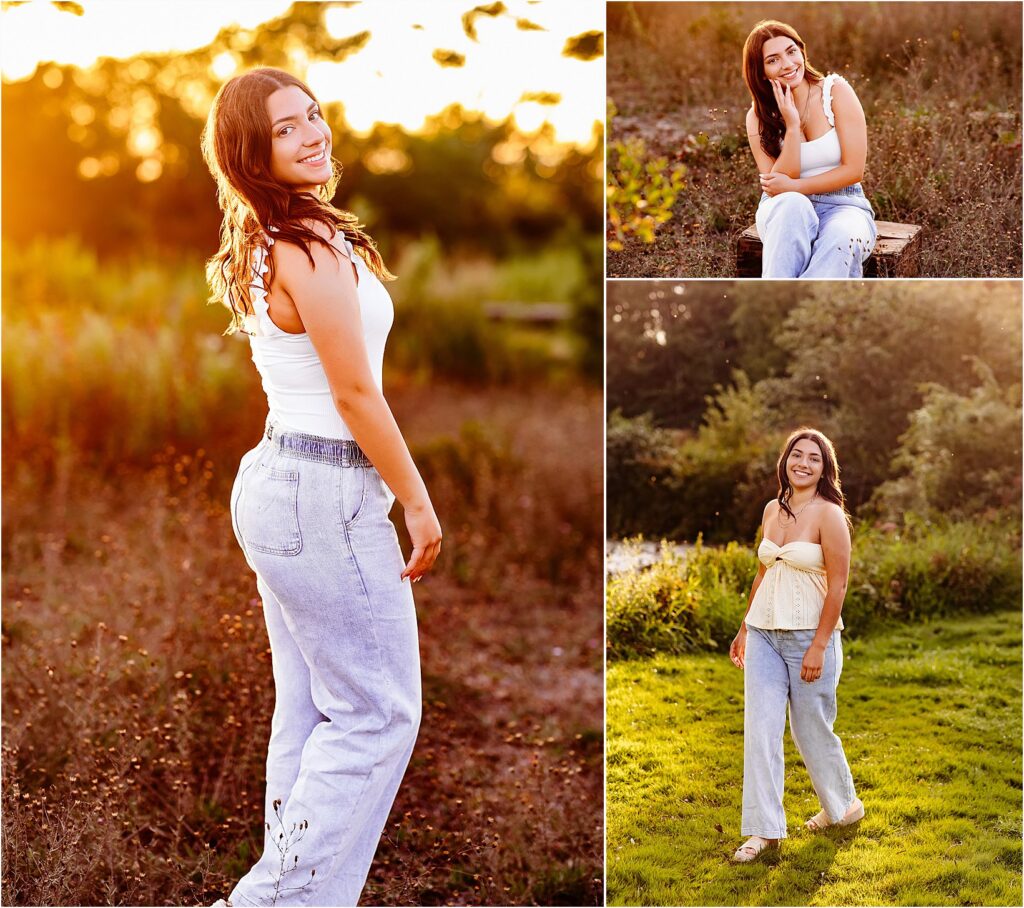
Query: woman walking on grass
pixel 310 503
pixel 790 649
pixel 809 139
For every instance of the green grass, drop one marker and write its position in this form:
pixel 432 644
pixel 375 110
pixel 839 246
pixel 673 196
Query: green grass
pixel 930 716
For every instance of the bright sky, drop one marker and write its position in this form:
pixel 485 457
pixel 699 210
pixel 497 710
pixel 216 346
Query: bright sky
pixel 393 79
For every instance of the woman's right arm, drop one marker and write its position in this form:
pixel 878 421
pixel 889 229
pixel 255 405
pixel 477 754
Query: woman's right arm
pixel 328 304
pixel 788 161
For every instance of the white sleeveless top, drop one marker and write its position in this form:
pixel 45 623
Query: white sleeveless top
pixel 298 395
pixel 823 153
pixel 792 591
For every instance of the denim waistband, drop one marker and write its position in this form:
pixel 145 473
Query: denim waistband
pixel 848 195
pixel 853 189
pixel 343 452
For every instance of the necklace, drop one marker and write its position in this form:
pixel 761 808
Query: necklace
pixel 803 113
pixel 807 504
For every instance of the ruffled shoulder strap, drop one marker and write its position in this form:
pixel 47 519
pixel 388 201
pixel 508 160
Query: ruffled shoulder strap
pixel 826 95
pixel 259 324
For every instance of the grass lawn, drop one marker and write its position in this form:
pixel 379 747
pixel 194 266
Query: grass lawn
pixel 930 716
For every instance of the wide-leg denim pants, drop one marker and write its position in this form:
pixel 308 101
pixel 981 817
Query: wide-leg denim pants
pixel 311 517
pixel 827 235
pixel 771 682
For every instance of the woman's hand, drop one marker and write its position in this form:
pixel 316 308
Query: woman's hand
pixel 425 533
pixel 787 106
pixel 775 183
pixel 814 658
pixel 738 648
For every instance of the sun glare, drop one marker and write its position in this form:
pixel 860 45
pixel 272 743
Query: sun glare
pixel 395 78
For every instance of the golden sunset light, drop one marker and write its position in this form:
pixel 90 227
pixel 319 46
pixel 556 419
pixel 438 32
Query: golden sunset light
pixel 417 60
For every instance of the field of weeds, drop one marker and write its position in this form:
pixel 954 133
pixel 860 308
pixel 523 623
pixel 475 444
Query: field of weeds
pixel 136 674
pixel 944 137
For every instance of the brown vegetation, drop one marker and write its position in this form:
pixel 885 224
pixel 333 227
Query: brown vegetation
pixel 944 137
pixel 138 689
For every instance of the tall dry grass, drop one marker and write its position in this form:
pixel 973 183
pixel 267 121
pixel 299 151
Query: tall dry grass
pixel 136 676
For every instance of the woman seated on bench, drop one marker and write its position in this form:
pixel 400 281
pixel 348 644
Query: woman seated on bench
pixel 809 139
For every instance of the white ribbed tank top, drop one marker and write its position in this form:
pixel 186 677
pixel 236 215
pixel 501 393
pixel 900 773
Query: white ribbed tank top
pixel 299 397
pixel 823 153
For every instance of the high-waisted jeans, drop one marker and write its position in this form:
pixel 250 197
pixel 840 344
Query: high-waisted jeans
pixel 311 517
pixel 771 681
pixel 830 234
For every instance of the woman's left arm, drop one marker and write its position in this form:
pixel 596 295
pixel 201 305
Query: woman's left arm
pixel 853 144
pixel 835 547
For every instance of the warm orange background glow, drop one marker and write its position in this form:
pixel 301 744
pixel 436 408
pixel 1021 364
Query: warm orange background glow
pixel 515 67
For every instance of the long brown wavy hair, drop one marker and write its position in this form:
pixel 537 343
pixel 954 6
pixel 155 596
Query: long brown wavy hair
pixel 236 146
pixel 773 128
pixel 829 486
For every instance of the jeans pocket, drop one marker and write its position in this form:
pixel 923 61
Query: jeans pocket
pixel 268 510
pixel 352 493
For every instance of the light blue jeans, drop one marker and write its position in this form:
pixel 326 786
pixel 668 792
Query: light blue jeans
pixel 311 517
pixel 771 681
pixel 816 236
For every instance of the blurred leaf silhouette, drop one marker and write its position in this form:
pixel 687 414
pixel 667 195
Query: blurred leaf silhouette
pixel 492 10
pixel 449 58
pixel 541 97
pixel 588 46
pixel 527 26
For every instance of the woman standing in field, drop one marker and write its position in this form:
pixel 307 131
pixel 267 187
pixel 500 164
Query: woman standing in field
pixel 809 139
pixel 310 503
pixel 790 646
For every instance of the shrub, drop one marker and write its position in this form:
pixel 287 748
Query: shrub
pixel 677 605
pixel 641 190
pixel 915 573
pixel 961 454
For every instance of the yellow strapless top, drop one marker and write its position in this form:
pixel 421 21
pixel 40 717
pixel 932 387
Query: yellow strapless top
pixel 792 591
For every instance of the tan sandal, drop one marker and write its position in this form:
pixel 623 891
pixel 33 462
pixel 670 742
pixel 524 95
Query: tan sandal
pixel 750 849
pixel 820 820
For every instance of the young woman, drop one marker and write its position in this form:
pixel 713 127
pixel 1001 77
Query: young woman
pixel 809 139
pixel 310 503
pixel 789 645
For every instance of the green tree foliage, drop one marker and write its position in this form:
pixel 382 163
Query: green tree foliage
pixel 668 346
pixel 713 482
pixel 640 476
pixel 857 361
pixel 859 358
pixel 961 455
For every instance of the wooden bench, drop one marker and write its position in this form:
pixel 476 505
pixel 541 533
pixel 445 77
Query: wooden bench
pixel 897 252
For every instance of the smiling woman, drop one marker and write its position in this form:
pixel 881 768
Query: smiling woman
pixel 789 645
pixel 311 500
pixel 808 136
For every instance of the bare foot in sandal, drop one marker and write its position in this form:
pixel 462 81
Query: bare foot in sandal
pixel 751 848
pixel 820 820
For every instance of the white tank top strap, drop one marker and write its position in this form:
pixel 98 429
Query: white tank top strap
pixel 259 323
pixel 826 95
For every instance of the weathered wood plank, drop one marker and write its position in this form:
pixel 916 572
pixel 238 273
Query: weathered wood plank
pixel 897 251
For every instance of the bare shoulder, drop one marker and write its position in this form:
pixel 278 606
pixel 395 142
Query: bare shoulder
pixel 843 94
pixel 753 124
pixel 770 509
pixel 292 261
pixel 833 521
